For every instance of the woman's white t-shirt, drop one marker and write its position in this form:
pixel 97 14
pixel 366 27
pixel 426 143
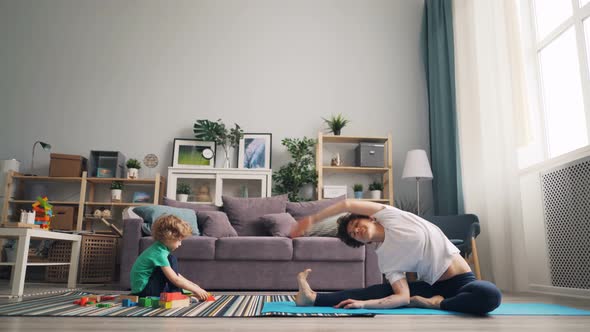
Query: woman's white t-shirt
pixel 412 244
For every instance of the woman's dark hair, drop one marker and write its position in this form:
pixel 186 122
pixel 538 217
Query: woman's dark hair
pixel 343 229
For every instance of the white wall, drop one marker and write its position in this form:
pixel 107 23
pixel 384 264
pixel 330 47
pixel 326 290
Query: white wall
pixel 132 75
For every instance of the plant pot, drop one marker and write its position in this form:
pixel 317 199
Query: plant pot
pixel 116 195
pixel 358 194
pixel 336 132
pixel 182 197
pixel 10 254
pixel 375 194
pixel 132 173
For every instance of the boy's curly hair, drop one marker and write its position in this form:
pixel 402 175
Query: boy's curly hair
pixel 169 228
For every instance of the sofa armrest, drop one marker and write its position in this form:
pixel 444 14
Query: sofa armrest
pixel 130 249
pixel 372 274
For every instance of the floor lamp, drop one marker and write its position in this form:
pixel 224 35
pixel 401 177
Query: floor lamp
pixel 417 167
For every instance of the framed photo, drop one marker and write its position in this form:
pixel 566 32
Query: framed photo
pixel 191 153
pixel 141 197
pixel 255 151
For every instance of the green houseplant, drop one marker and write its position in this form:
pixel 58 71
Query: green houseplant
pixel 336 123
pixel 116 191
pixel 216 131
pixel 299 172
pixel 358 191
pixel 182 191
pixel 133 166
pixel 376 188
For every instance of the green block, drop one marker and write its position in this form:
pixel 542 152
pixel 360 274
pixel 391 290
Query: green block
pixel 145 301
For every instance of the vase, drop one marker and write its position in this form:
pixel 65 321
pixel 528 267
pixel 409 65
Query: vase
pixel 116 195
pixel 227 157
pixel 182 197
pixel 375 194
pixel 132 173
pixel 306 192
pixel 358 194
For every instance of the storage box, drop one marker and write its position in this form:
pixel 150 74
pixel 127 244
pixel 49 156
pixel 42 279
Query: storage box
pixel 334 191
pixel 65 165
pixel 63 217
pixel 370 155
pixel 107 164
pixel 98 256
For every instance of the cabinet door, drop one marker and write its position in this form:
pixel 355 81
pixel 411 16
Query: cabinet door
pixel 242 185
pixel 202 186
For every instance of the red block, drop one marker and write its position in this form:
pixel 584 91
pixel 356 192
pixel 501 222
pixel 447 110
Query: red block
pixel 167 297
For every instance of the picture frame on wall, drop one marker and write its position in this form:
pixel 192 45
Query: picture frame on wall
pixel 255 150
pixel 192 153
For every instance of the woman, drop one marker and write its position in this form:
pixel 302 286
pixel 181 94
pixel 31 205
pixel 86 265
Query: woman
pixel 405 242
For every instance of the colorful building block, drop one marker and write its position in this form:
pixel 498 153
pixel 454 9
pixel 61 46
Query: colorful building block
pixel 166 297
pixel 107 298
pixel 95 298
pixel 210 298
pixel 175 303
pixel 104 305
pixel 133 298
pixel 128 303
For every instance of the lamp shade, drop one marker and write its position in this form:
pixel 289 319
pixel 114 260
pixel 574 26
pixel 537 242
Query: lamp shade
pixel 417 166
pixel 45 146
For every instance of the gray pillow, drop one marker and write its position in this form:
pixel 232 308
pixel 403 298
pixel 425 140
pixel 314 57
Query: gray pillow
pixel 244 213
pixel 278 224
pixel 303 209
pixel 194 206
pixel 327 227
pixel 151 213
pixel 215 224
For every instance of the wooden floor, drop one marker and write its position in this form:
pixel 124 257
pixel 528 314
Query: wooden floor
pixel 378 323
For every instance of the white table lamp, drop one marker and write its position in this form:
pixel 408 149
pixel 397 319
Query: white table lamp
pixel 417 167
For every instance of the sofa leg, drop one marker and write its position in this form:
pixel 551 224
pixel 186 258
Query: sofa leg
pixel 475 259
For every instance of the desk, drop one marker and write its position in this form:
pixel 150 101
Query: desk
pixel 19 267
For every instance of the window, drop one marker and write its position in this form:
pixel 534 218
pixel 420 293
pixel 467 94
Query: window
pixel 560 35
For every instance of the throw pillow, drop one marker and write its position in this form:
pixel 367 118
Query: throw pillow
pixel 278 224
pixel 244 213
pixel 303 209
pixel 327 227
pixel 151 213
pixel 215 224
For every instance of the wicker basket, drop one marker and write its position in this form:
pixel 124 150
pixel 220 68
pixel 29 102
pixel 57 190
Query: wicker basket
pixel 98 254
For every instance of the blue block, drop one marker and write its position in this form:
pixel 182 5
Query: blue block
pixel 128 303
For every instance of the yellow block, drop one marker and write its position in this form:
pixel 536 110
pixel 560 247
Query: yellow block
pixel 175 304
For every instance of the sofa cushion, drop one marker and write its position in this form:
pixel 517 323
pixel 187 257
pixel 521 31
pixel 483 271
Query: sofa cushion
pixel 325 249
pixel 254 248
pixel 303 209
pixel 278 224
pixel 327 227
pixel 244 213
pixel 192 248
pixel 197 207
pixel 151 213
pixel 215 224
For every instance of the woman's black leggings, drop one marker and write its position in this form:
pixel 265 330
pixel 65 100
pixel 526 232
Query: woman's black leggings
pixel 158 282
pixel 462 293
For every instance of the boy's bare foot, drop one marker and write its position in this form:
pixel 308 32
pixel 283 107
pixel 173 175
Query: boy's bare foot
pixel 422 302
pixel 305 296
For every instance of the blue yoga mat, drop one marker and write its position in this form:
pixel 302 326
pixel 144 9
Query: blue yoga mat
pixel 505 309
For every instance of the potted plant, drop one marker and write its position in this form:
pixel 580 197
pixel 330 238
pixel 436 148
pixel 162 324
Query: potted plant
pixel 375 188
pixel 116 190
pixel 133 166
pixel 298 177
pixel 216 131
pixel 336 123
pixel 182 191
pixel 358 191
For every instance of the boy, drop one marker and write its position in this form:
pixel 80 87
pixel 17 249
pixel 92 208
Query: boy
pixel 156 269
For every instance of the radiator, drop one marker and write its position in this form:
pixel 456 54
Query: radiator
pixel 566 203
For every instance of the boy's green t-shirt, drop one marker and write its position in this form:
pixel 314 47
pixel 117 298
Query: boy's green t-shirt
pixel 154 256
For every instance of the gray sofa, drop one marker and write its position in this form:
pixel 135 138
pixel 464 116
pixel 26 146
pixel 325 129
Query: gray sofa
pixel 260 262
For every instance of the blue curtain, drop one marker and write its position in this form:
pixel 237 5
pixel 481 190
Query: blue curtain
pixel 439 60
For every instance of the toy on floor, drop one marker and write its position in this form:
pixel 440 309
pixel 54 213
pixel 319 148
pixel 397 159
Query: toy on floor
pixel 133 298
pixel 210 298
pixel 150 301
pixel 128 303
pixel 174 300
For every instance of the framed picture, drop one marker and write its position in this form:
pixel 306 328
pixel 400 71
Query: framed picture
pixel 255 151
pixel 191 153
pixel 141 197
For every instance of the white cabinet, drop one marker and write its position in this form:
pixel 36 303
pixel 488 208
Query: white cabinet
pixel 209 184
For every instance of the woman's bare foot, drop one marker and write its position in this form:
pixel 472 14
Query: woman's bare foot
pixel 305 296
pixel 422 302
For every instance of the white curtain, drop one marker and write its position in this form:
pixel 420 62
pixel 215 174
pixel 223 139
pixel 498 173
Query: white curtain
pixel 489 81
